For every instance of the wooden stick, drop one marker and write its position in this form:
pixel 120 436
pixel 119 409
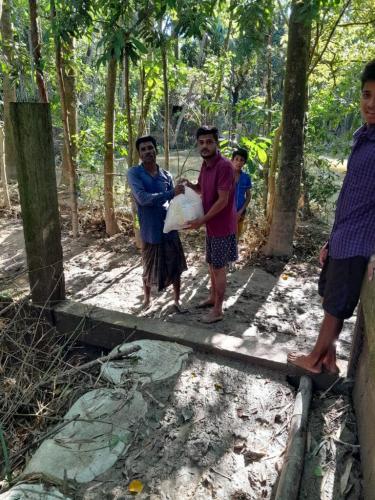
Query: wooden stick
pixel 104 359
pixel 290 477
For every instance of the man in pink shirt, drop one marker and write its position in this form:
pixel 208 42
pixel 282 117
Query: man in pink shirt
pixel 217 188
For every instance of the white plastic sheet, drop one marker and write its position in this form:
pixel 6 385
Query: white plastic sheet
pixel 183 208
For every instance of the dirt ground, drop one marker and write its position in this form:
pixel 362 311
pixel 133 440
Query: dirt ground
pixel 332 469
pixel 266 299
pixel 219 429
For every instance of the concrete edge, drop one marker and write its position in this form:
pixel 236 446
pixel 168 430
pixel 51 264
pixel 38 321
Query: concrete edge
pixel 105 328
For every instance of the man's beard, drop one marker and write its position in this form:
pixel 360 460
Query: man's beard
pixel 207 154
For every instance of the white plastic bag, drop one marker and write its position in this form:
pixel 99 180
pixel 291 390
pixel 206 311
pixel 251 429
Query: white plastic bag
pixel 183 208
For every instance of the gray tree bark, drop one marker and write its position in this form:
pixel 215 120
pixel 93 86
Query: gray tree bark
pixel 69 79
pixel 290 477
pixel 4 200
pixel 9 91
pixel 32 133
pixel 73 191
pixel 164 57
pixel 111 226
pixel 280 241
pixel 36 50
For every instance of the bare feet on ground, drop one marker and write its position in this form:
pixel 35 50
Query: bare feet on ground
pixel 212 317
pixel 304 361
pixel 329 362
pixel 179 308
pixel 205 303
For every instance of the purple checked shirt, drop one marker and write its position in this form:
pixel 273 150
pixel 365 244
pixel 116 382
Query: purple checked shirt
pixel 353 232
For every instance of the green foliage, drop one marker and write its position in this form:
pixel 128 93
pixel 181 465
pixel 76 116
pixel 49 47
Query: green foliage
pixel 258 149
pixel 199 70
pixel 321 182
pixel 90 144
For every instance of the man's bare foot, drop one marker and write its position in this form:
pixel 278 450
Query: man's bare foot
pixel 212 317
pixel 304 361
pixel 333 369
pixel 329 364
pixel 146 304
pixel 179 308
pixel 205 303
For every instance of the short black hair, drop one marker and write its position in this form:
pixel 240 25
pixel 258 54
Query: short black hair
pixel 240 152
pixel 368 73
pixel 145 138
pixel 206 130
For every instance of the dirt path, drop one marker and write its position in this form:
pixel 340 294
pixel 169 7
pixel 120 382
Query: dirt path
pixel 218 430
pixel 274 302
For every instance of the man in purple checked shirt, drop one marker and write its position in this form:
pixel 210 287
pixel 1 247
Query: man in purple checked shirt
pixel 351 246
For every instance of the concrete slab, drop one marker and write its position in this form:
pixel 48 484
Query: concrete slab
pixel 100 426
pixel 155 362
pixel 106 328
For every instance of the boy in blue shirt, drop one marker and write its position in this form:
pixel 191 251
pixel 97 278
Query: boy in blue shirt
pixel 243 187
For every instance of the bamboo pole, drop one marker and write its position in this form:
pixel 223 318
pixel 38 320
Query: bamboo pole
pixel 290 477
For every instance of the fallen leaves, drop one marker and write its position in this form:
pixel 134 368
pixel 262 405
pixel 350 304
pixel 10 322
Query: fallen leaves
pixel 136 486
pixel 241 413
pixel 345 477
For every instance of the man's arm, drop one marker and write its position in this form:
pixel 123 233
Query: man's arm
pixel 195 187
pixel 246 204
pixel 371 267
pixel 220 203
pixel 144 198
pixel 323 253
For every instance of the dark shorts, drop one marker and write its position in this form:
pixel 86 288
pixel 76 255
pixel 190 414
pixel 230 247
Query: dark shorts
pixel 221 250
pixel 163 263
pixel 340 284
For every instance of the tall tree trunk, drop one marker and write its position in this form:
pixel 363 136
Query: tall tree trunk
pixel 164 58
pixel 4 200
pixel 128 105
pixel 69 78
pixel 38 198
pixel 141 99
pixel 272 174
pixel 280 241
pixel 235 98
pixel 306 210
pixel 9 91
pixel 121 88
pixel 145 99
pixel 66 125
pixel 36 48
pixel 269 116
pixel 109 212
pixel 131 146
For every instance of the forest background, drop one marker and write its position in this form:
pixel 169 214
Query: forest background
pixel 279 78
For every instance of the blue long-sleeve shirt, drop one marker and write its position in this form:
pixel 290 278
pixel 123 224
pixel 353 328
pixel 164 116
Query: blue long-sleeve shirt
pixel 151 195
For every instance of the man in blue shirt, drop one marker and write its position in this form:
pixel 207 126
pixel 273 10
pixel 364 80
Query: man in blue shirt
pixel 162 254
pixel 351 246
pixel 243 187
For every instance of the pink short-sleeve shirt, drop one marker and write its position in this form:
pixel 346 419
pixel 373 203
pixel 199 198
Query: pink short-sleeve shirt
pixel 218 175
